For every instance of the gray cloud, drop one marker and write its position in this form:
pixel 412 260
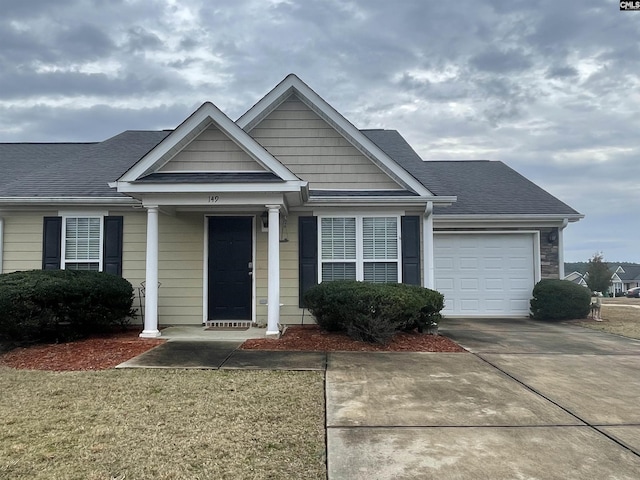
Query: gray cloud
pixel 546 86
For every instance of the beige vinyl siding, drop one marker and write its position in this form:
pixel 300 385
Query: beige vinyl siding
pixel 134 246
pixel 211 151
pixel 23 241
pixel 315 151
pixel 289 311
pixel 180 264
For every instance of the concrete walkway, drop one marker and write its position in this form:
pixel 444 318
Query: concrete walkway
pixel 532 400
pixel 529 400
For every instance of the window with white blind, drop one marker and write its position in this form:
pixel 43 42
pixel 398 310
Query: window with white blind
pixel 82 243
pixel 359 248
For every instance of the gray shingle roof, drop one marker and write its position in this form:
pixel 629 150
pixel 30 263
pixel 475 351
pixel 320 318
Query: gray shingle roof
pixel 84 169
pixel 483 187
pixel 631 272
pixel 71 169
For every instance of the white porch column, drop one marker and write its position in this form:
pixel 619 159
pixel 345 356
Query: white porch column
pixel 427 239
pixel 1 241
pixel 273 288
pixel 151 282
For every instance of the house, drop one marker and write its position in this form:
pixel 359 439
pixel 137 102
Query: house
pixel 624 278
pixel 577 278
pixel 234 221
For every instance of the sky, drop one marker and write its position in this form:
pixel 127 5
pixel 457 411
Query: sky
pixel 549 87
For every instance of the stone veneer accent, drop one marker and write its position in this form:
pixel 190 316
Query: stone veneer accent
pixel 549 254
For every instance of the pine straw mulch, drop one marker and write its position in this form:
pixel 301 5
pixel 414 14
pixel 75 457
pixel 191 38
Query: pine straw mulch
pixel 312 338
pixel 105 352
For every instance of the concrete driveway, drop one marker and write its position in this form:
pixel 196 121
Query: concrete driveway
pixel 530 400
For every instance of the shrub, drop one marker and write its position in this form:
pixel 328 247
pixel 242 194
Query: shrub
pixel 559 300
pixel 45 305
pixel 373 312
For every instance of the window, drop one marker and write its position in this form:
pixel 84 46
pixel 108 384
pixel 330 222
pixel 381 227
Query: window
pixel 359 248
pixel 82 242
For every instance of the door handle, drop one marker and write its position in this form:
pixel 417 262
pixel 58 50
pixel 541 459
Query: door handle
pixel 250 273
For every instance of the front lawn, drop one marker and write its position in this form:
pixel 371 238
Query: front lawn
pixel 620 316
pixel 161 424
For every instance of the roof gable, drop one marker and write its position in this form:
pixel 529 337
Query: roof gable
pixel 292 85
pixel 206 117
pixel 212 151
pixel 317 153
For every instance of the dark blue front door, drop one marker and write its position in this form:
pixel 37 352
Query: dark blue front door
pixel 230 255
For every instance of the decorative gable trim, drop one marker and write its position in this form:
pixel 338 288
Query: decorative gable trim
pixel 193 126
pixel 292 84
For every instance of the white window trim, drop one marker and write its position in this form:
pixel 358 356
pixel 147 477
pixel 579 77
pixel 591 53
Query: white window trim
pixel 63 257
pixel 360 260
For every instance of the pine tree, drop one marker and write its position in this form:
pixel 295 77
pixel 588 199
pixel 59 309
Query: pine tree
pixel 598 274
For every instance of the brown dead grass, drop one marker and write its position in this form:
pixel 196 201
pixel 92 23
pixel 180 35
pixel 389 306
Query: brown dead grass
pixel 171 424
pixel 620 316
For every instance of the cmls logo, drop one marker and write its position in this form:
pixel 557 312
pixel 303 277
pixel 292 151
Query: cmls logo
pixel 630 5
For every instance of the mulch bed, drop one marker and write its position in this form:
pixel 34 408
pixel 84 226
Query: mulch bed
pixel 105 352
pixel 311 338
pixel 96 353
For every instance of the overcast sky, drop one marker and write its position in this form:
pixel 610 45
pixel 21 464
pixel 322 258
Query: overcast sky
pixel 551 88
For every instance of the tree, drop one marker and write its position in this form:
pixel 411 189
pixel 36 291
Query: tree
pixel 598 274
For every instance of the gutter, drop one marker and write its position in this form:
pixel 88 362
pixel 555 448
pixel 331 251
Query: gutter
pixel 1 242
pixel 50 201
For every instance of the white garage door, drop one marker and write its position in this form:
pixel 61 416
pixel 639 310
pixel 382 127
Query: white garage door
pixel 485 274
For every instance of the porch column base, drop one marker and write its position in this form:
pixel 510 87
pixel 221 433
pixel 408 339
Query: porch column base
pixel 275 334
pixel 150 334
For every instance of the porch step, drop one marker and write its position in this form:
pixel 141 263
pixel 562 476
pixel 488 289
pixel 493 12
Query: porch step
pixel 235 324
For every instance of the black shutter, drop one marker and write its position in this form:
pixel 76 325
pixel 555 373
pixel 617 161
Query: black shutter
pixel 51 243
pixel 307 255
pixel 112 253
pixel 411 250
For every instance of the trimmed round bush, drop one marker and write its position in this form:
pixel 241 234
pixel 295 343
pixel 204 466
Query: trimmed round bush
pixel 373 312
pixel 46 305
pixel 559 300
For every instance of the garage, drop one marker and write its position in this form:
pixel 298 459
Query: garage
pixel 487 274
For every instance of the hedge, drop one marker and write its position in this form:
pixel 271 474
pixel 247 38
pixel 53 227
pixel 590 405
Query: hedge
pixel 373 312
pixel 57 305
pixel 559 300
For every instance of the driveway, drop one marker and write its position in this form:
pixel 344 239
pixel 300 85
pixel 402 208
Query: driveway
pixel 530 400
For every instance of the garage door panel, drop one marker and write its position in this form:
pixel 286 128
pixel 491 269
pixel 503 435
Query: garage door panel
pixel 494 306
pixel 444 263
pixel 494 285
pixel 482 274
pixel 470 285
pixel 468 263
pixel 469 306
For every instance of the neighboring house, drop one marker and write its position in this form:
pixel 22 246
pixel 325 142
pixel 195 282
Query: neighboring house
pixel 237 219
pixel 624 277
pixel 577 278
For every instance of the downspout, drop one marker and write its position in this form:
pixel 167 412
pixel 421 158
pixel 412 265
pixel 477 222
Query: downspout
pixel 565 222
pixel 1 243
pixel 427 236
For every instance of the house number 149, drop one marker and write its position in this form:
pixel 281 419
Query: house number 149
pixel 214 198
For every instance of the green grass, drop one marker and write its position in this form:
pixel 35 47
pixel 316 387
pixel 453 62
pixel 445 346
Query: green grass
pixel 161 424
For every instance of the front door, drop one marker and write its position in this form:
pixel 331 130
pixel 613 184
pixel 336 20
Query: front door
pixel 230 268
